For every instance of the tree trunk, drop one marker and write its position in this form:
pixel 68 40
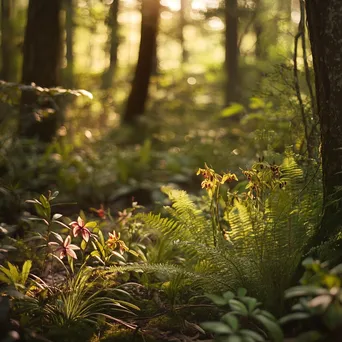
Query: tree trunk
pixel 41 65
pixel 113 44
pixel 183 21
pixel 8 67
pixel 324 22
pixel 231 51
pixel 69 30
pixel 149 27
pixel 260 48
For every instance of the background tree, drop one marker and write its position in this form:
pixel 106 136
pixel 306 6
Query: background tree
pixel 69 30
pixel 41 65
pixel 149 26
pixel 325 29
pixel 113 43
pixel 184 4
pixel 231 51
pixel 8 62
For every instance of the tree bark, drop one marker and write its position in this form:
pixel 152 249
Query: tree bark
pixel 113 44
pixel 231 51
pixel 325 29
pixel 69 30
pixel 139 93
pixel 41 65
pixel 8 67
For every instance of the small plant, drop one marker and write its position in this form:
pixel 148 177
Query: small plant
pixel 245 321
pixel 318 302
pixel 13 276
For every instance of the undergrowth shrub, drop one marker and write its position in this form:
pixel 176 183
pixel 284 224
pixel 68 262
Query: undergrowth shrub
pixel 252 238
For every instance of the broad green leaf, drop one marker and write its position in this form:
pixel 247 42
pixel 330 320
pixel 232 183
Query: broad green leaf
pixel 296 316
pixel 231 320
pixel 228 295
pixel 216 327
pixel 273 329
pixel 241 292
pixel 238 306
pixel 252 334
pixel 218 300
pixel 235 338
pixel 250 302
pixel 308 290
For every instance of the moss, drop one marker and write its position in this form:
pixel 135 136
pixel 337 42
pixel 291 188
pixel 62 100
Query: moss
pixel 118 333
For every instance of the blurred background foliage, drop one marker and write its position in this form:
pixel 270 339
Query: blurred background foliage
pixel 229 83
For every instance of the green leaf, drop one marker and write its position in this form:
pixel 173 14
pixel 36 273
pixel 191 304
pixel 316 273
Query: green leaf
pixel 14 272
pixel 251 303
pixel 252 334
pixel 238 306
pixel 235 338
pixel 267 314
pixel 233 109
pixel 218 300
pixel 273 329
pixel 25 271
pixel 308 290
pixel 5 279
pixel 228 295
pixel 231 320
pixel 216 327
pixel 91 225
pixel 83 245
pixel 241 292
pixel 296 316
pixel 256 103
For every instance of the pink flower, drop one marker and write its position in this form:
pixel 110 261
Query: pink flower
pixel 79 228
pixel 64 247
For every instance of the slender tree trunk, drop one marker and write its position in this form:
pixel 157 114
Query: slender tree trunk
pixel 183 21
pixel 113 43
pixel 41 65
pixel 69 29
pixel 149 27
pixel 325 29
pixel 231 51
pixel 259 31
pixel 8 67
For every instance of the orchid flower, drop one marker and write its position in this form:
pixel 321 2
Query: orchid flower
pixel 64 247
pixel 79 228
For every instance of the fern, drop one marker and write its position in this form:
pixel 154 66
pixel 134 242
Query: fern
pixel 268 226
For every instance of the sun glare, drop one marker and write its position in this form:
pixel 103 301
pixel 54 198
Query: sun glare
pixel 173 5
pixel 196 5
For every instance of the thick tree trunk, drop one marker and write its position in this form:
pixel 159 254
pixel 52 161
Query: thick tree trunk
pixel 113 44
pixel 41 65
pixel 231 51
pixel 149 27
pixel 325 29
pixel 8 67
pixel 69 30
